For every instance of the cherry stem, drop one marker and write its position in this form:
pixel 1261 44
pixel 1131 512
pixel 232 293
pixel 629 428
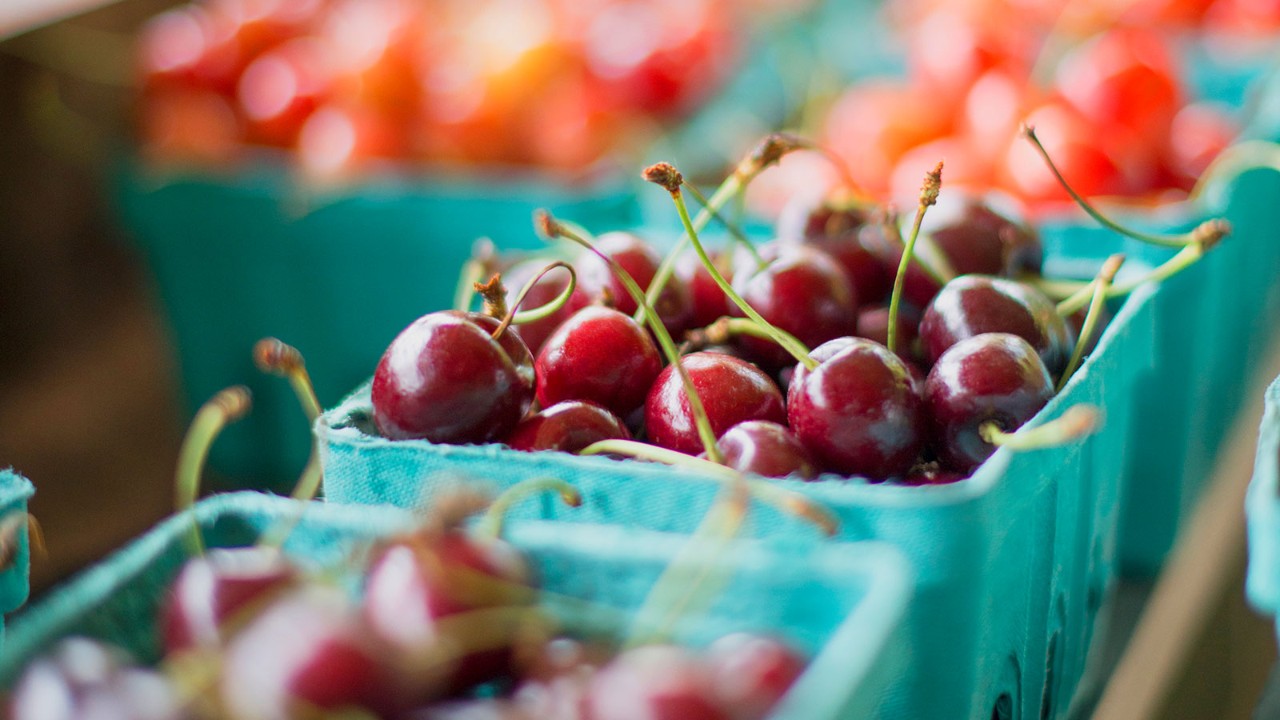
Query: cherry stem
pixel 1163 240
pixel 11 527
pixel 491 523
pixel 1077 422
pixel 768 152
pixel 551 227
pixel 543 311
pixel 275 357
pixel 1090 325
pixel 481 263
pixel 735 231
pixel 1204 238
pixel 928 198
pixel 222 409
pixel 669 177
pixel 788 501
pixel 720 331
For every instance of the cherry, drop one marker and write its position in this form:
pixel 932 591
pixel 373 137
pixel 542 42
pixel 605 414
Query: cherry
pixel 858 411
pixel 873 324
pixel 709 301
pixel 568 427
pixel 216 592
pixel 766 448
pixel 82 678
pixel 832 226
pixel 656 682
pixel 919 285
pixel 1074 145
pixel 992 377
pixel 978 240
pixel 280 89
pixel 310 649
pixel 340 138
pixel 751 673
pixel 535 333
pixel 674 305
pixel 801 290
pixel 732 391
pixel 971 305
pixel 446 379
pixel 600 355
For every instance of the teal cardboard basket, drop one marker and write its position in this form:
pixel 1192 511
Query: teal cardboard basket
pixel 15 493
pixel 336 274
pixel 1262 509
pixel 843 607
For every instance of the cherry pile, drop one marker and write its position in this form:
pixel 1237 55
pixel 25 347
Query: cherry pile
pixel 345 83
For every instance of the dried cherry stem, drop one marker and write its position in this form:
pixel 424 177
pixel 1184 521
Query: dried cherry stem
pixel 1204 238
pixel 666 175
pixel 222 409
pixel 724 328
pixel 1163 240
pixel 11 527
pixel 481 263
pixel 1101 284
pixel 542 311
pixel 491 523
pixel 788 501
pixel 734 230
pixel 553 228
pixel 768 152
pixel 1077 422
pixel 278 358
pixel 928 198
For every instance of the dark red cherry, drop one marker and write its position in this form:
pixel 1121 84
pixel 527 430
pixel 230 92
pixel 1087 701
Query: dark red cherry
pixel 732 391
pixel 310 649
pixel 859 412
pixel 978 240
pixel 446 379
pixel 993 377
pixel 752 672
pixel 600 355
pixel 568 427
pixel 218 588
pixel 971 305
pixel 918 287
pixel 674 305
pixel 709 301
pixel 801 290
pixel 873 324
pixel 768 449
pixel 536 333
pixel 833 227
pixel 83 679
pixel 655 682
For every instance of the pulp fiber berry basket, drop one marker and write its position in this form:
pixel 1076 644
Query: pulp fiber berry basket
pixel 1262 508
pixel 15 492
pixel 1013 565
pixel 843 607
pixel 336 273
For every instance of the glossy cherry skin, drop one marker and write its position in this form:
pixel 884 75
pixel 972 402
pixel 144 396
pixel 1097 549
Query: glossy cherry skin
pixel 971 305
pixel 833 227
pixel 732 391
pixel 709 301
pixel 310 648
pixel 568 427
pixel 674 305
pixel 801 290
pixel 535 333
pixel 978 240
pixel 655 682
pixel 994 377
pixel 752 672
pixel 218 587
pixel 859 412
pixel 82 679
pixel 768 449
pixel 445 379
pixel 600 355
pixel 918 286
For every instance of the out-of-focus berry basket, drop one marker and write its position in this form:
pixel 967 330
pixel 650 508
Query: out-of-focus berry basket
pixel 843 608
pixel 1262 507
pixel 15 492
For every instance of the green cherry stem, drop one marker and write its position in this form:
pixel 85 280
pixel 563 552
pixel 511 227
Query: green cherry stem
pixel 724 328
pixel 276 357
pixel 1076 422
pixel 215 414
pixel 552 228
pixel 491 523
pixel 928 198
pixel 1176 241
pixel 1090 325
pixel 481 263
pixel 734 230
pixel 669 177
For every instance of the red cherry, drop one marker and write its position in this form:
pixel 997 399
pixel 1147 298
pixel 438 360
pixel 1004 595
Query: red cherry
pixel 535 333
pixel 568 427
pixel 833 227
pixel 447 380
pixel 1073 145
pixel 709 301
pixel 873 324
pixel 752 672
pixel 218 588
pixel 732 391
pixel 674 305
pixel 600 355
pixel 874 123
pixel 81 679
pixel 768 449
pixel 978 240
pixel 339 139
pixel 1200 132
pixel 281 88
pixel 655 682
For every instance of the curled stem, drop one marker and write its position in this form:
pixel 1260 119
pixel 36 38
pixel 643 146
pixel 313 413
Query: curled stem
pixel 556 303
pixel 1077 422
pixel 928 198
pixel 281 359
pixel 491 523
pixel 222 409
pixel 1090 325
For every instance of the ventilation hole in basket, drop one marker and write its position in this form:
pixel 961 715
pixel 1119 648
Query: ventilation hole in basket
pixel 1003 709
pixel 1050 672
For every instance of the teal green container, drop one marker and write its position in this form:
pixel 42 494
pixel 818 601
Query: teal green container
pixel 843 607
pixel 1262 508
pixel 337 274
pixel 15 586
